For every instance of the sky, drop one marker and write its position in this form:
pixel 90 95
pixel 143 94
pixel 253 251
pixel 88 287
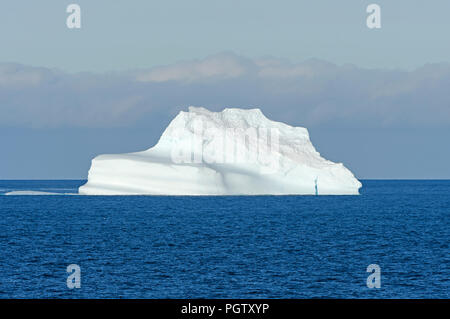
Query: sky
pixel 375 99
pixel 122 35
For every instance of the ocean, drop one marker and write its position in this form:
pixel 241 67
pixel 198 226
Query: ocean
pixel 226 247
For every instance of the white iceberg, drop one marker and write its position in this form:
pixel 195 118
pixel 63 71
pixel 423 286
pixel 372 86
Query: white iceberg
pixel 233 152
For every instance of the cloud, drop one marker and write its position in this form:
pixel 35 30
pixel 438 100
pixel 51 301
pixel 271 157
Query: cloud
pixel 312 93
pixel 221 66
pixel 16 76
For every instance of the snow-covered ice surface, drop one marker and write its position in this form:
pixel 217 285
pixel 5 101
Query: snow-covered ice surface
pixel 233 152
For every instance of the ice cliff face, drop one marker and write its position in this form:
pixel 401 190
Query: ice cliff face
pixel 233 152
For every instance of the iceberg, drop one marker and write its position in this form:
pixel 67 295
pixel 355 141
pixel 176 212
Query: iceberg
pixel 233 152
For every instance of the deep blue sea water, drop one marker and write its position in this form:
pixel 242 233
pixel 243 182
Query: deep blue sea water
pixel 226 247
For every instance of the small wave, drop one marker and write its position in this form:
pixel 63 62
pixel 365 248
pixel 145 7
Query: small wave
pixel 36 193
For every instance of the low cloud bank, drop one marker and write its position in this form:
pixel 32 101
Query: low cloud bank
pixel 312 93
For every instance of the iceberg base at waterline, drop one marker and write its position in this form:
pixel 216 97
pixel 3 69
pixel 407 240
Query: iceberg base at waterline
pixel 233 152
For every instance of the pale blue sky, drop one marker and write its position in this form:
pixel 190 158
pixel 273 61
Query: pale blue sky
pixel 120 34
pixel 387 115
